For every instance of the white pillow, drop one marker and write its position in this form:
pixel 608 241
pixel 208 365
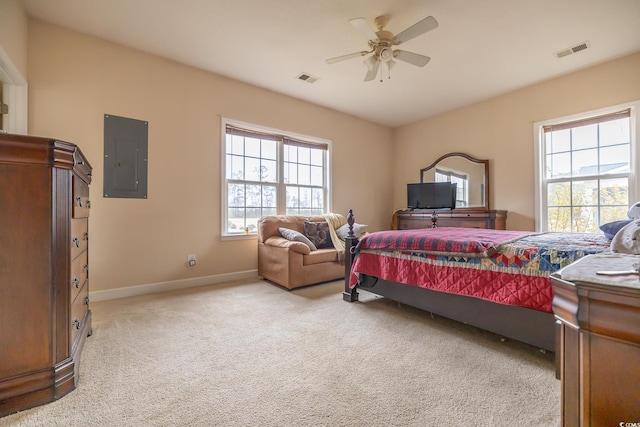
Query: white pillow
pixel 358 230
pixel 294 235
pixel 634 211
pixel 627 240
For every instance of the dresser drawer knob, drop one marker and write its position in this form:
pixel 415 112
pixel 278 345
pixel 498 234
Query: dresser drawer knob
pixel 76 323
pixel 86 268
pixel 75 281
pixel 79 199
pixel 88 204
pixel 76 242
pixel 85 236
pixel 86 300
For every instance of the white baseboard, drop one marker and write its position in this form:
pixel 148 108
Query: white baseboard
pixel 170 286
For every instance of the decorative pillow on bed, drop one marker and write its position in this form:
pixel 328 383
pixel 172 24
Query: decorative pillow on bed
pixel 318 233
pixel 634 211
pixel 611 228
pixel 294 235
pixel 358 230
pixel 627 240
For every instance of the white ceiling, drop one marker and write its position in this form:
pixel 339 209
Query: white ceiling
pixel 480 49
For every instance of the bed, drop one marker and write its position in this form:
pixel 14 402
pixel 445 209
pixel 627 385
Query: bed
pixel 497 280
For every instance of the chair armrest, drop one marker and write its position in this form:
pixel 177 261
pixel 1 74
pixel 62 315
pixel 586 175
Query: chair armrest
pixel 281 242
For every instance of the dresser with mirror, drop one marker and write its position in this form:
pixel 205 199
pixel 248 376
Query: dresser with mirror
pixel 472 209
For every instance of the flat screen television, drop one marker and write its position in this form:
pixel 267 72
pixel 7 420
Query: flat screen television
pixel 431 195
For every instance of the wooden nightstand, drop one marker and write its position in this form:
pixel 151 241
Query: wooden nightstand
pixel 598 341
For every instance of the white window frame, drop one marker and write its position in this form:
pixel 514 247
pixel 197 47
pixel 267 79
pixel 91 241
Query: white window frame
pixel 281 197
pixel 634 161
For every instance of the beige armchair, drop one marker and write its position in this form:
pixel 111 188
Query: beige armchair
pixel 292 263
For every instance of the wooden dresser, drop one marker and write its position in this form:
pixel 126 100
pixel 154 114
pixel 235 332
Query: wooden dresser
pixel 44 269
pixel 599 341
pixel 471 218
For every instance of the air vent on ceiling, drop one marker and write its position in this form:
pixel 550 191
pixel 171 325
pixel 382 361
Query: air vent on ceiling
pixel 574 49
pixel 307 78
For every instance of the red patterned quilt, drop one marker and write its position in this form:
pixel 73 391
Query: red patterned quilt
pixel 507 267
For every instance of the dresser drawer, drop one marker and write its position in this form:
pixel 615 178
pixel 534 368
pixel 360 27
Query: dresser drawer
pixel 81 202
pixel 79 236
pixel 467 223
pixel 79 273
pixel 79 308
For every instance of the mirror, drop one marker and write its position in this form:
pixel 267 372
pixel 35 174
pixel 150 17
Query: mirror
pixel 471 175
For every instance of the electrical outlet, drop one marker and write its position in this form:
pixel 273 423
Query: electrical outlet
pixel 191 260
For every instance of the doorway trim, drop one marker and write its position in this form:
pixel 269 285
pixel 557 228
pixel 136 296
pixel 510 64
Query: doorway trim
pixel 14 94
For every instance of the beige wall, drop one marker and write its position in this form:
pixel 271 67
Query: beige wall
pixel 501 129
pixel 75 79
pixel 13 33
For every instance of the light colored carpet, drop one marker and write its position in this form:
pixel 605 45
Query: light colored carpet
pixel 252 354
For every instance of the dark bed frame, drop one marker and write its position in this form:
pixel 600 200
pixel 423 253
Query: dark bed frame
pixel 533 327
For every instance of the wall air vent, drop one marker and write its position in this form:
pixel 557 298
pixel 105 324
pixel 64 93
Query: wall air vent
pixel 307 78
pixel 574 49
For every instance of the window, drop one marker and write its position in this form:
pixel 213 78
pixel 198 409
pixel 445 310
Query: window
pixel 586 170
pixel 461 179
pixel 267 172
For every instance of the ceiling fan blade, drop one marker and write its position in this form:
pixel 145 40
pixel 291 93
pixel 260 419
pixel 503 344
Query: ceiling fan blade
pixel 370 62
pixel 344 57
pixel 373 71
pixel 411 58
pixel 420 27
pixel 363 26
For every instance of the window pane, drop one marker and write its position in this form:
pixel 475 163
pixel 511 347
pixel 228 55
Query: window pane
pixel 237 168
pixel 559 141
pixel 316 176
pixel 615 132
pixel 292 197
pixel 253 215
pixel 584 193
pixel 615 159
pixel 269 149
pixel 584 137
pixel 269 211
pixel 559 218
pixel 253 195
pixel 237 145
pixel 316 157
pixel 252 147
pixel 304 155
pixel 305 197
pixel 559 194
pixel 615 192
pixel 269 197
pixel 559 165
pixel 614 213
pixel 290 153
pixel 252 169
pixel 318 200
pixel 269 171
pixel 291 173
pixel 585 219
pixel 235 221
pixel 304 175
pixel 235 194
pixel 585 162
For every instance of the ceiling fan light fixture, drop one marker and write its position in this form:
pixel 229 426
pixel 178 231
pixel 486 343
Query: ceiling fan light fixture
pixel 386 54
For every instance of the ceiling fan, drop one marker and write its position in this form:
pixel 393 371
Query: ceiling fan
pixel 381 42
